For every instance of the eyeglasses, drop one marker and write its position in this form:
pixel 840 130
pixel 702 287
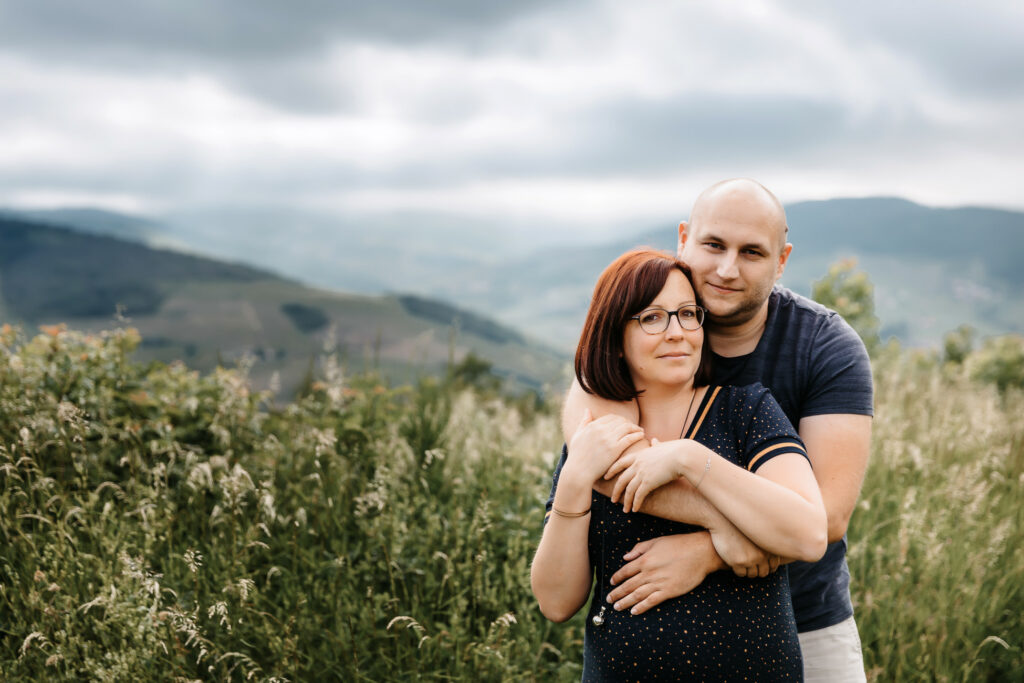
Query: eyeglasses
pixel 655 320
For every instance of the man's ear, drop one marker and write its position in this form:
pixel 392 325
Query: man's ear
pixel 783 259
pixel 683 234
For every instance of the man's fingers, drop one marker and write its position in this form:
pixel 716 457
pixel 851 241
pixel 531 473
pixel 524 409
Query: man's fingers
pixel 638 550
pixel 626 571
pixel 652 600
pixel 626 588
pixel 633 597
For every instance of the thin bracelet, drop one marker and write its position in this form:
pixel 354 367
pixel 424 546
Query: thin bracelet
pixel 569 515
pixel 707 466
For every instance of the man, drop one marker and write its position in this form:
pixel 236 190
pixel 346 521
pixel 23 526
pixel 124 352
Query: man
pixel 817 369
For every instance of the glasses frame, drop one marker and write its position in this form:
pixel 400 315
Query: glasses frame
pixel 700 311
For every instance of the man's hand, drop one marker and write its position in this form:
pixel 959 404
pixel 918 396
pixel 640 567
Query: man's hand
pixel 662 568
pixel 743 557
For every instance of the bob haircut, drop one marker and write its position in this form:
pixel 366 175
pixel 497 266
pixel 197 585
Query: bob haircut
pixel 625 288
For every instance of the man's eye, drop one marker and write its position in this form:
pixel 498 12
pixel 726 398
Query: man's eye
pixel 713 245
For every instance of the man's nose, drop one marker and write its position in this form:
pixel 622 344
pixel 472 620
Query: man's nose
pixel 727 269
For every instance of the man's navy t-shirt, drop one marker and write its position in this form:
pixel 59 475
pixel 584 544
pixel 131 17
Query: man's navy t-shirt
pixel 814 364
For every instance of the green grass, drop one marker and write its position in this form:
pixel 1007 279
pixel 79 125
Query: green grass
pixel 159 524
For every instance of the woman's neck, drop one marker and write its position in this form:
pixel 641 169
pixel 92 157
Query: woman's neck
pixel 664 409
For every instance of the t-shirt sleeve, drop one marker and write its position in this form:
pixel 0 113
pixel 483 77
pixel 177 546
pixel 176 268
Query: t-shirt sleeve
pixel 768 433
pixel 554 482
pixel 840 372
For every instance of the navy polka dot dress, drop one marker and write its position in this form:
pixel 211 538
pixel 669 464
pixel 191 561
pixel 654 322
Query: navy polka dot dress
pixel 728 628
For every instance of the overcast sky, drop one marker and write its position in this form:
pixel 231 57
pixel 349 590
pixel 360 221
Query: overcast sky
pixel 570 116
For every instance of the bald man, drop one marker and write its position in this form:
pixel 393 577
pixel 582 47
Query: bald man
pixel 818 370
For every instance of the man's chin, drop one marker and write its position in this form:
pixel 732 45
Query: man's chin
pixel 732 317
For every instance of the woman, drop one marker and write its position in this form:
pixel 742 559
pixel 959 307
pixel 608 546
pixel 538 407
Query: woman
pixel 643 341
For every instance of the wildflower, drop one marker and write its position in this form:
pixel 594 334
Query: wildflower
pixel 194 560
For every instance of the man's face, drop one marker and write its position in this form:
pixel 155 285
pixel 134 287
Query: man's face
pixel 735 259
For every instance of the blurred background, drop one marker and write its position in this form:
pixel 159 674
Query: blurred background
pixel 386 170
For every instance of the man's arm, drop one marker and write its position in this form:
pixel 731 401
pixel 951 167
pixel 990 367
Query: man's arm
pixel 838 446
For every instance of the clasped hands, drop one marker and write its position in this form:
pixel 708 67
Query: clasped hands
pixel 668 566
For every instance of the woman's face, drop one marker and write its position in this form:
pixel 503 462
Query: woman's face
pixel 673 356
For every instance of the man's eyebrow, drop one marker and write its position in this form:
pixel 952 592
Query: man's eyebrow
pixel 712 237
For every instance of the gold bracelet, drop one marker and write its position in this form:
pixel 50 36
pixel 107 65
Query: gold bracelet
pixel 707 466
pixel 569 515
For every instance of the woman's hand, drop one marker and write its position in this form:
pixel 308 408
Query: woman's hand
pixel 644 471
pixel 597 444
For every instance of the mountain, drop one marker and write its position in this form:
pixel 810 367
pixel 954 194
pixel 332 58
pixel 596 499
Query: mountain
pixel 206 311
pixel 933 268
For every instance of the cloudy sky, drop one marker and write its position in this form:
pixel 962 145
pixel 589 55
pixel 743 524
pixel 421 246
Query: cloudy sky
pixel 568 117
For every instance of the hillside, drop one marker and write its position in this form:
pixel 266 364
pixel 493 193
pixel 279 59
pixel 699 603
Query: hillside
pixel 208 312
pixel 933 268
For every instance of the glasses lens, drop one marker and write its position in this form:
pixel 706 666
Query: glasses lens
pixel 653 320
pixel 690 317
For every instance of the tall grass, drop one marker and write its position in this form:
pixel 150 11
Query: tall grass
pixel 937 543
pixel 156 524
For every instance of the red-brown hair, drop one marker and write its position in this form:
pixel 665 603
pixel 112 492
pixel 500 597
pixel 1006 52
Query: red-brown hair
pixel 625 288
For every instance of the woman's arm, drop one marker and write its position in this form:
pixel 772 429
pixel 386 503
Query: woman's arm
pixel 561 574
pixel 779 507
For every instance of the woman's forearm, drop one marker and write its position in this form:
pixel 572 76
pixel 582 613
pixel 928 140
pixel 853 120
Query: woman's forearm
pixel 561 575
pixel 783 515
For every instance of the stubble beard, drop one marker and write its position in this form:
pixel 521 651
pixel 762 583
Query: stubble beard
pixel 738 314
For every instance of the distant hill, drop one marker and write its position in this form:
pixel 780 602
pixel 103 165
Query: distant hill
pixel 933 268
pixel 206 311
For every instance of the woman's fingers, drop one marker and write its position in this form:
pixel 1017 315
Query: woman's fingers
pixel 640 497
pixel 619 465
pixel 630 493
pixel 621 482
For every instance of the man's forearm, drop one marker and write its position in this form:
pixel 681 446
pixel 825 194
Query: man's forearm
pixel 677 501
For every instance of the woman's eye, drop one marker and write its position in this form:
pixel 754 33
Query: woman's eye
pixel 687 313
pixel 651 317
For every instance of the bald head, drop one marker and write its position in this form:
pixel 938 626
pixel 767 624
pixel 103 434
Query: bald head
pixel 742 200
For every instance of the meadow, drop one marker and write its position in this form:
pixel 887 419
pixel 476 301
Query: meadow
pixel 166 525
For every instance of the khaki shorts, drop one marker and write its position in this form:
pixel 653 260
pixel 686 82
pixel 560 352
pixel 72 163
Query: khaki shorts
pixel 833 654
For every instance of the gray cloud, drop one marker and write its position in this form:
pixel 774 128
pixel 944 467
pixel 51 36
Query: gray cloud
pixel 972 47
pixel 266 48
